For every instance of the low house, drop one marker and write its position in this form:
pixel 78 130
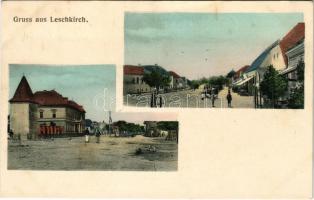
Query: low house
pixel 175 80
pixel 133 82
pixel 151 129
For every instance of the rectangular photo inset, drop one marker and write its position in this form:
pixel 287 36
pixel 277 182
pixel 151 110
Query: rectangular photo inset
pixel 214 60
pixel 62 118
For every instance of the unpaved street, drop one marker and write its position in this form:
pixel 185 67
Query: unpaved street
pixel 112 153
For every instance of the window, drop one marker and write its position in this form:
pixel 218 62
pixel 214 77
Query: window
pixel 137 80
pixel 41 114
pixel 53 113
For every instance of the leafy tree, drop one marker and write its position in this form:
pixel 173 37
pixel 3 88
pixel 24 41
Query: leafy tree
pixel 296 99
pixel 156 79
pixel 194 84
pixel 217 81
pixel 231 74
pixel 129 127
pixel 203 80
pixel 273 85
pixel 168 125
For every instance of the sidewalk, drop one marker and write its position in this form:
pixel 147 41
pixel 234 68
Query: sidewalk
pixel 237 100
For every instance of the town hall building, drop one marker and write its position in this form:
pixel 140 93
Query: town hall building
pixel 44 113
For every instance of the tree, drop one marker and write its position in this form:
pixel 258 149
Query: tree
pixel 273 85
pixel 168 125
pixel 296 99
pixel 194 84
pixel 231 74
pixel 217 81
pixel 156 79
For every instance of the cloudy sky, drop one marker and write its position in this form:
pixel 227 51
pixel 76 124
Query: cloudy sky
pixel 92 86
pixel 202 44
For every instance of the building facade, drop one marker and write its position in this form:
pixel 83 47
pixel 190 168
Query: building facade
pixel 277 55
pixel 295 55
pixel 44 113
pixel 133 82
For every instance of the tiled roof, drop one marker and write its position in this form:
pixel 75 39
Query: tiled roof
pixel 133 70
pixel 53 98
pixel 292 38
pixel 175 75
pixel 24 93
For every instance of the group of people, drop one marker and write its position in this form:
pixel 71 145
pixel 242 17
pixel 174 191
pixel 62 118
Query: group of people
pixel 212 94
pixel 97 134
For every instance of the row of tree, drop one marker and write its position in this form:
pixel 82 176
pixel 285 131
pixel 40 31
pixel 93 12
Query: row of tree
pixel 168 125
pixel 214 81
pixel 129 127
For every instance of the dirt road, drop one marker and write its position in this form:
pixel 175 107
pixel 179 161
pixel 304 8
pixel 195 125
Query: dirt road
pixel 112 153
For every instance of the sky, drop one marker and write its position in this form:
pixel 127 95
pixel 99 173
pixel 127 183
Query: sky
pixel 197 45
pixel 92 86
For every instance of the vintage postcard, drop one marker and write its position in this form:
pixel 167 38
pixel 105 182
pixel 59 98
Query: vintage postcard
pixel 156 99
pixel 208 60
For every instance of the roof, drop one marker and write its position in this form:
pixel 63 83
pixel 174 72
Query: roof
pixel 242 69
pixel 175 75
pixel 24 93
pixel 53 98
pixel 259 60
pixel 292 38
pixel 133 70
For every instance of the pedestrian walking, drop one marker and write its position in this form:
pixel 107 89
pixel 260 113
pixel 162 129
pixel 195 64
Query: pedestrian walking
pixel 229 98
pixel 86 135
pixel 97 136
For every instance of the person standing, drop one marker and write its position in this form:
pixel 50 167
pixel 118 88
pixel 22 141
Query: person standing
pixel 229 98
pixel 152 100
pixel 213 96
pixel 86 135
pixel 97 136
pixel 160 101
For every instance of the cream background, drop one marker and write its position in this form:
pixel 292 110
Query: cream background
pixel 222 153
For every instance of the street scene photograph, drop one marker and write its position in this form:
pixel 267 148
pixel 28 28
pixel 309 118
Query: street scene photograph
pixel 63 118
pixel 214 60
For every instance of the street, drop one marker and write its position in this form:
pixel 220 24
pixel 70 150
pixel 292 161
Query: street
pixel 112 153
pixel 190 99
